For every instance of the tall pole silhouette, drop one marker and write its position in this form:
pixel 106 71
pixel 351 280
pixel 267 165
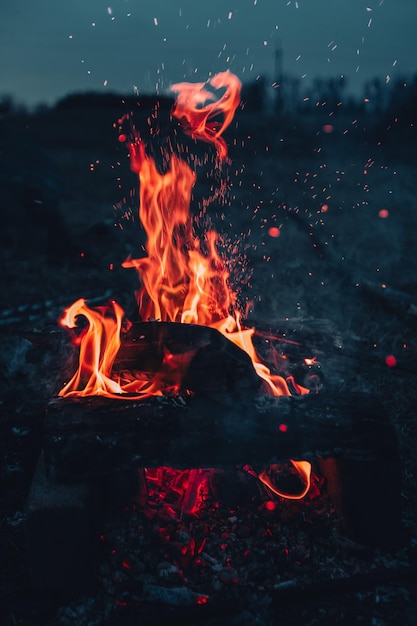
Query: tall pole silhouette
pixel 278 78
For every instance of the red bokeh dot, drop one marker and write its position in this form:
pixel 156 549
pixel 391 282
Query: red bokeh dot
pixel 383 213
pixel 270 505
pixel 283 428
pixel 201 600
pixel 274 231
pixel 328 128
pixel 122 138
pixel 324 208
pixel 390 360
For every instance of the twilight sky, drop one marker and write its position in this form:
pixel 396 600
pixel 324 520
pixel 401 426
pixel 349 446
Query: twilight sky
pixel 49 48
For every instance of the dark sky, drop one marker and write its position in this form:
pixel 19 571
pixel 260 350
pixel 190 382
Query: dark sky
pixel 52 47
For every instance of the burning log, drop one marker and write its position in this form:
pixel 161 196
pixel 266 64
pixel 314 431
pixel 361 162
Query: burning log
pixel 199 432
pixel 347 435
pixel 198 358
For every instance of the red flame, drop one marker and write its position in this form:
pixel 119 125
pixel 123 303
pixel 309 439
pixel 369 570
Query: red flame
pixel 184 278
pixel 201 108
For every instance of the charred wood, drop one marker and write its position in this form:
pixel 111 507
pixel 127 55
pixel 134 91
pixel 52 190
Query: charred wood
pixel 200 357
pixel 89 435
pixel 348 436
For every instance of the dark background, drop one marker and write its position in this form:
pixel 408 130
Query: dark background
pixel 318 160
pixel 50 49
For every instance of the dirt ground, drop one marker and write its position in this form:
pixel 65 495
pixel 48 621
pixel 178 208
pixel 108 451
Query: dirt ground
pixel 345 206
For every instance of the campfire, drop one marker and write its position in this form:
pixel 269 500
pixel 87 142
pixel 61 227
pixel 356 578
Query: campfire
pixel 184 277
pixel 177 410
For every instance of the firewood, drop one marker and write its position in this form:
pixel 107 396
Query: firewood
pixel 220 432
pixel 200 357
pixel 348 436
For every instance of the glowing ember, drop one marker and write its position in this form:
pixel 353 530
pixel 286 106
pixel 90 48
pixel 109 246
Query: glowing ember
pixel 274 231
pixel 390 360
pixel 184 278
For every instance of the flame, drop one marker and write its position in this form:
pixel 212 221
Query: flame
pixel 303 468
pixel 99 345
pixel 184 278
pixel 203 111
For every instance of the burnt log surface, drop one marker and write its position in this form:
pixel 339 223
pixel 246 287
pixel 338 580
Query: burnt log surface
pixel 205 361
pixel 200 433
pixel 348 437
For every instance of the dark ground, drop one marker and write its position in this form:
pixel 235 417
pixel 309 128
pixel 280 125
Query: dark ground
pixel 66 210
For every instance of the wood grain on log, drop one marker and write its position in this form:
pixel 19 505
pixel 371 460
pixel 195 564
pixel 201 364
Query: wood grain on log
pixel 203 433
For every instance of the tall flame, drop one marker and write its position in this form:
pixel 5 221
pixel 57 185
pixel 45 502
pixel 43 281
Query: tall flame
pixel 181 281
pixel 184 278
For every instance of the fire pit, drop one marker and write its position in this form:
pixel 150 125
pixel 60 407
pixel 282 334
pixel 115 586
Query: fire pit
pixel 185 389
pixel 96 451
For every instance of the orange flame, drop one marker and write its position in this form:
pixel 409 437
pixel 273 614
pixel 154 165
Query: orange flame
pixel 303 468
pixel 206 115
pixel 99 345
pixel 184 279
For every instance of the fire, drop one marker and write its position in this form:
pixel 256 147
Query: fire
pixel 201 109
pixel 99 345
pixel 303 468
pixel 183 277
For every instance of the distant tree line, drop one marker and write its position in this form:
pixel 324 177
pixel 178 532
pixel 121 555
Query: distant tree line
pixel 112 100
pixel 395 100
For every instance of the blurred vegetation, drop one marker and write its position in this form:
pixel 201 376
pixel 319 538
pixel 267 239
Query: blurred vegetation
pixel 384 108
pixel 397 97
